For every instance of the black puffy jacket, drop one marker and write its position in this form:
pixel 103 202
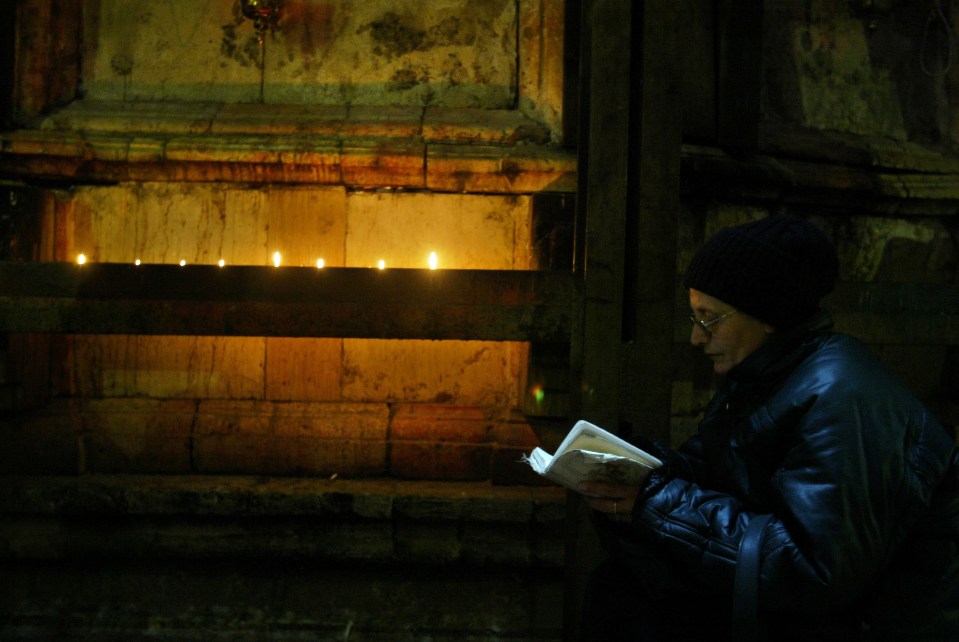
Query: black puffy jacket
pixel 861 482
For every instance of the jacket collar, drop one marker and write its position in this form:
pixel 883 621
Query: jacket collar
pixel 782 351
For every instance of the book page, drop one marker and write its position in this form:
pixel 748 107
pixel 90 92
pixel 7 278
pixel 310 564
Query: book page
pixel 576 466
pixel 598 444
pixel 589 453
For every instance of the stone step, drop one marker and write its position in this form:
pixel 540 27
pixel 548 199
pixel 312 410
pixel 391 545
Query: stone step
pixel 206 601
pixel 197 517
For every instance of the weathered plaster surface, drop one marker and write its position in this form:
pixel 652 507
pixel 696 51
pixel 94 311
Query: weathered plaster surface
pixel 889 249
pixel 403 52
pixel 840 87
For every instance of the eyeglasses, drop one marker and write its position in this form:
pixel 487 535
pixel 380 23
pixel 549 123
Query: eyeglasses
pixel 705 325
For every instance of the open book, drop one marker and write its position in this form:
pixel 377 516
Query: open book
pixel 590 453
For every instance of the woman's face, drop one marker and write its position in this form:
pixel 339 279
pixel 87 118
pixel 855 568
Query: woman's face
pixel 730 340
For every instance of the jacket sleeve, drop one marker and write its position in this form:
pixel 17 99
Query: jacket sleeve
pixel 686 462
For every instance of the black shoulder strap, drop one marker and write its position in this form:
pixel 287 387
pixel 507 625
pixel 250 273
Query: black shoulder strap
pixel 746 592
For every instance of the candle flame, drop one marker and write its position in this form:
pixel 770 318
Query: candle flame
pixel 81 259
pixel 136 262
pixel 276 259
pixel 320 263
pixel 382 264
pixel 433 261
pixel 221 262
pixel 182 262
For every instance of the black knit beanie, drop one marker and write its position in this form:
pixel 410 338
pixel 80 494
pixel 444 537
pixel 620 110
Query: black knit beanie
pixel 776 269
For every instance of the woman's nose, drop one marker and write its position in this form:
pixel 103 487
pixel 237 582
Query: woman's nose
pixel 698 336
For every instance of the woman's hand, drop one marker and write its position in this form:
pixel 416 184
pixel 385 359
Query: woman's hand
pixel 616 501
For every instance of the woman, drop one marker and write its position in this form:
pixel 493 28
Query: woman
pixel 818 500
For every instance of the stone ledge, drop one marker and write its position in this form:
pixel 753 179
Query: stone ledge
pixel 489 151
pixel 429 124
pixel 830 171
pixel 856 150
pixel 246 496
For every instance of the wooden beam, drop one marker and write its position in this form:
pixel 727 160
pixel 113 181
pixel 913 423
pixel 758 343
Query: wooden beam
pixel 739 32
pixel 8 57
pixel 46 69
pixel 604 135
pixel 105 298
pixel 654 209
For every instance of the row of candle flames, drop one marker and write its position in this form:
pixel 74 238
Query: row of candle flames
pixel 432 261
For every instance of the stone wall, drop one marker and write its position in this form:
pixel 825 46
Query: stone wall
pixel 907 252
pixel 857 134
pixel 189 485
pixel 252 487
pixel 455 53
pixel 200 558
pixel 325 405
pixel 346 135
